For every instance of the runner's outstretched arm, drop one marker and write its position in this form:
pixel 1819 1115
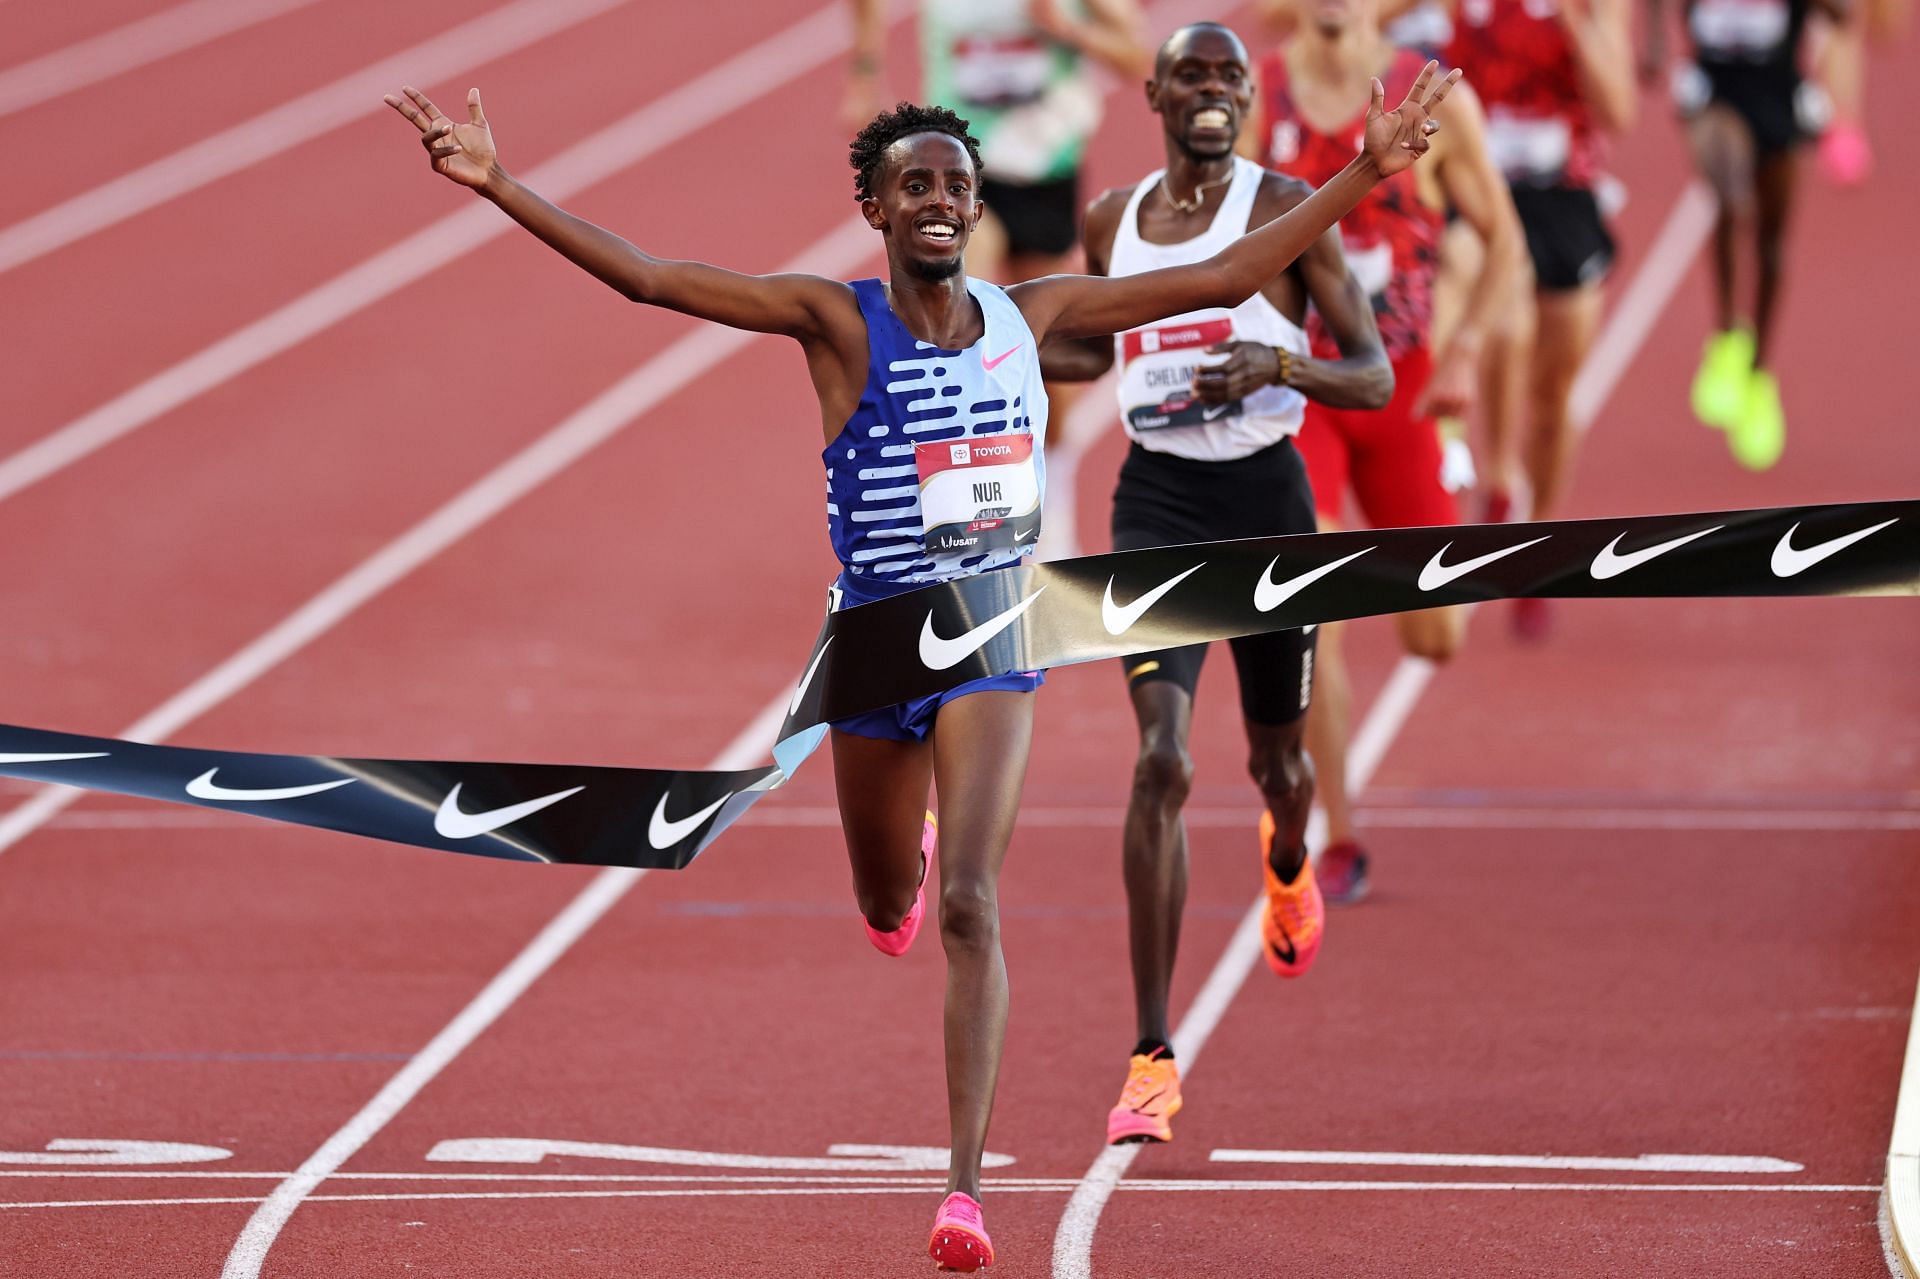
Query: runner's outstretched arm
pixel 799 306
pixel 1084 305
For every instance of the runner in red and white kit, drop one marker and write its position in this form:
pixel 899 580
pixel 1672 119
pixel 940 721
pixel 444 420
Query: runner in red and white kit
pixel 1555 76
pixel 1313 95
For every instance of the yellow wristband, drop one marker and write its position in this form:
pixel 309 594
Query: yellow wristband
pixel 1285 375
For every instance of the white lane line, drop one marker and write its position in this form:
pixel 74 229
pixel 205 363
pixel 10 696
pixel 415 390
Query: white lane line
pixel 691 357
pixel 1620 340
pixel 1569 1163
pixel 115 52
pixel 1060 1187
pixel 1903 1157
pixel 264 135
pixel 735 83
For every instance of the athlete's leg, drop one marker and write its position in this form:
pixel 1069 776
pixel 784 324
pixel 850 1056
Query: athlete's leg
pixel 1285 776
pixel 1505 359
pixel 1154 847
pixel 1329 723
pixel 980 747
pixel 1433 633
pixel 1776 178
pixel 1567 323
pixel 1723 151
pixel 882 787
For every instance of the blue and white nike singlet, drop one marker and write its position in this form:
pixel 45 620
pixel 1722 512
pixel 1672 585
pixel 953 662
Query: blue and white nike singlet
pixel 939 472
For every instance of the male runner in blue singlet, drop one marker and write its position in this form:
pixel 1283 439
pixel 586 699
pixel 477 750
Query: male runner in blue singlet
pixel 899 519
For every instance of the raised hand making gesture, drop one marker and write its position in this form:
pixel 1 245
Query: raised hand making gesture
pixel 1396 138
pixel 462 152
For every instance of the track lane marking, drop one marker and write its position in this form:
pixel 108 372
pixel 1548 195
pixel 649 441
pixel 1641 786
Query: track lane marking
pixel 263 136
pixel 1626 330
pixel 137 44
pixel 1903 1159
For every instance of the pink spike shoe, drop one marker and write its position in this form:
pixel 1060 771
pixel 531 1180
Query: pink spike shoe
pixel 896 942
pixel 959 1239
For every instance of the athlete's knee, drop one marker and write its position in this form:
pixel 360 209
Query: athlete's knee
pixel 1284 775
pixel 969 914
pixel 1436 638
pixel 885 908
pixel 1163 774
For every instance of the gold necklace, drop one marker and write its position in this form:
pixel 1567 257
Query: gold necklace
pixel 1199 193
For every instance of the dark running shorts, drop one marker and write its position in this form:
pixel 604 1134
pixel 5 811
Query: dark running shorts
pixel 1164 501
pixel 1762 96
pixel 1041 218
pixel 1566 236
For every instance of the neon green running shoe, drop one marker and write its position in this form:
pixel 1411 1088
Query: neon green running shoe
pixel 1720 387
pixel 1759 434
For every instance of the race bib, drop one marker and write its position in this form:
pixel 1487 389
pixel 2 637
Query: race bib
pixel 1156 375
pixel 979 494
pixel 1739 26
pixel 1528 146
pixel 1000 71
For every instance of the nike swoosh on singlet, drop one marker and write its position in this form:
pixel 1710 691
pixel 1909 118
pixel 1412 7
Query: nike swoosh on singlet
pixel 204 787
pixel 1436 575
pixel 1119 620
pixel 1787 561
pixel 664 834
pixel 937 654
pixel 451 823
pixel 1269 594
pixel 793 707
pixel 1610 563
pixel 996 361
pixel 41 757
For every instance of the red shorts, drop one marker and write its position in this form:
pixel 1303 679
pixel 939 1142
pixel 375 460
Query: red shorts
pixel 1389 457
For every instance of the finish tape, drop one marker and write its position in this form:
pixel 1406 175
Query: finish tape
pixel 1028 617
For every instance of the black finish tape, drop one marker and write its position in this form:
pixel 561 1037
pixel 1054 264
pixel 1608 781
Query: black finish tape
pixel 1022 618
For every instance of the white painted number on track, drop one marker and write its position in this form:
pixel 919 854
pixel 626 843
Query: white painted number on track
pixel 840 1158
pixel 82 1152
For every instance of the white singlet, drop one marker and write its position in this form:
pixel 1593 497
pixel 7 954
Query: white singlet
pixel 1156 361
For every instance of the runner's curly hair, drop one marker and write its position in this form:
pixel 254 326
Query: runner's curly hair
pixel 871 143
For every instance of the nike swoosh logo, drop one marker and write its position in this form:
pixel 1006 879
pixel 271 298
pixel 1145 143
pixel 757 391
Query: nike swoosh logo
pixel 1269 594
pixel 451 823
pixel 1610 563
pixel 48 757
pixel 937 654
pixel 995 362
pixel 1787 561
pixel 664 834
pixel 1020 534
pixel 1213 411
pixel 204 787
pixel 793 707
pixel 1436 575
pixel 1287 956
pixel 1119 620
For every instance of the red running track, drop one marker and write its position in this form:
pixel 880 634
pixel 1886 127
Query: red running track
pixel 1644 890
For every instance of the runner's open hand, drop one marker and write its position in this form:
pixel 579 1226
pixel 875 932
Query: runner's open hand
pixel 463 152
pixel 1248 367
pixel 1396 138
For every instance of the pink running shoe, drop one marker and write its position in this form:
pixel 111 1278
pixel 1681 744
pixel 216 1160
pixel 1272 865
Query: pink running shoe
pixel 959 1239
pixel 1845 156
pixel 896 942
pixel 1342 873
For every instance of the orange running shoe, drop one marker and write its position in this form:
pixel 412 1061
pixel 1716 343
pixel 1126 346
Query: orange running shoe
pixel 1295 918
pixel 896 942
pixel 1149 1101
pixel 959 1239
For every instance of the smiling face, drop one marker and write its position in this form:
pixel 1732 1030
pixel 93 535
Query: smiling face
pixel 926 202
pixel 1201 90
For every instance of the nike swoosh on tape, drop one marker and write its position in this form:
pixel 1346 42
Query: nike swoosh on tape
pixel 1610 563
pixel 1119 620
pixel 1436 575
pixel 937 654
pixel 451 823
pixel 1269 594
pixel 664 834
pixel 204 787
pixel 49 757
pixel 793 707
pixel 1787 561
pixel 996 361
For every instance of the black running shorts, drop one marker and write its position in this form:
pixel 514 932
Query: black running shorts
pixel 1566 236
pixel 1164 501
pixel 1042 218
